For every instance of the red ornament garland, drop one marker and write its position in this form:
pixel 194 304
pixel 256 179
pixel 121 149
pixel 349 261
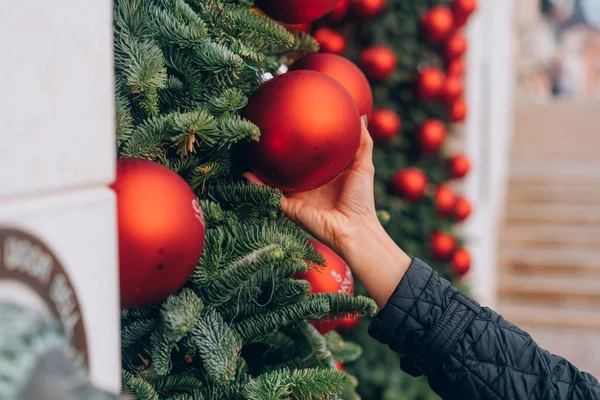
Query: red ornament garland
pixel 430 83
pixel 410 183
pixel 384 125
pixel 338 14
pixel 455 47
pixel 442 245
pixel 367 9
pixel 437 24
pixel 432 135
pixel 458 110
pixel 452 90
pixel 462 209
pixel 161 231
pixel 461 262
pixel 456 67
pixel 462 9
pixel 459 166
pixel 310 130
pixel 378 62
pixel 330 40
pixel 445 200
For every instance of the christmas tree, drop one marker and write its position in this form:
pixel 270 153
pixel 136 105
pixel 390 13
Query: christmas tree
pixel 239 327
pixel 411 51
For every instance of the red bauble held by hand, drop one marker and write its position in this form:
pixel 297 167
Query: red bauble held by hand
pixel 445 200
pixel 384 125
pixel 378 62
pixel 161 231
pixel 442 245
pixel 345 72
pixel 410 183
pixel 336 277
pixel 310 130
pixel 296 11
pixel 430 83
pixel 432 134
pixel 437 24
pixel 330 40
pixel 461 262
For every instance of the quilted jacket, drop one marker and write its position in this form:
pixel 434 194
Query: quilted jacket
pixel 468 351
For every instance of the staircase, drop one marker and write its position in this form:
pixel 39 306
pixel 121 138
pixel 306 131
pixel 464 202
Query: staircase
pixel 549 270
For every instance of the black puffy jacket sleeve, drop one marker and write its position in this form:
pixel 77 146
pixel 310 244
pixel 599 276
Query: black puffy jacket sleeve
pixel 468 351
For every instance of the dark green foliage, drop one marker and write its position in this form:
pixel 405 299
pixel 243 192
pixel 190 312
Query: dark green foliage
pixel 410 225
pixel 238 329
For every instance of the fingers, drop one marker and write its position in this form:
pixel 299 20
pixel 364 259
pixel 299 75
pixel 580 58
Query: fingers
pixel 364 155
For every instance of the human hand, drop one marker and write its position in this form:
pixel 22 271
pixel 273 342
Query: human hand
pixel 339 211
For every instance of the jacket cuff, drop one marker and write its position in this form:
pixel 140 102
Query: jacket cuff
pixel 423 319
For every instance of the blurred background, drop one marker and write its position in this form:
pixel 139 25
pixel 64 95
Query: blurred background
pixel 538 181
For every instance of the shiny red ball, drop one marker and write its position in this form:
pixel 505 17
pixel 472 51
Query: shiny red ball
pixel 161 231
pixel 384 125
pixel 432 134
pixel 345 72
pixel 452 90
pixel 410 183
pixel 336 277
pixel 310 130
pixel 442 245
pixel 456 46
pixel 459 166
pixel 437 24
pixel 445 200
pixel 456 67
pixel 296 11
pixel 458 110
pixel 378 62
pixel 462 209
pixel 330 40
pixel 430 83
pixel 461 262
pixel 462 9
pixel 339 13
pixel 367 9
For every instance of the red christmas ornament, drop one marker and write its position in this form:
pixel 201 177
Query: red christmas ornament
pixel 461 262
pixel 296 11
pixel 345 72
pixel 330 40
pixel 410 183
pixel 455 47
pixel 304 27
pixel 462 209
pixel 367 9
pixel 445 200
pixel 458 110
pixel 336 277
pixel 378 62
pixel 338 14
pixel 456 67
pixel 348 324
pixel 459 166
pixel 432 135
pixel 430 83
pixel 310 130
pixel 161 231
pixel 437 24
pixel 384 125
pixel 452 90
pixel 462 9
pixel 442 245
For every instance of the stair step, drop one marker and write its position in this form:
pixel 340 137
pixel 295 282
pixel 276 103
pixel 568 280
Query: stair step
pixel 557 213
pixel 557 290
pixel 552 173
pixel 550 261
pixel 540 315
pixel 554 193
pixel 557 236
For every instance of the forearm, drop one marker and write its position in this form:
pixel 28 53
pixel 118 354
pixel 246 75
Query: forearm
pixel 375 259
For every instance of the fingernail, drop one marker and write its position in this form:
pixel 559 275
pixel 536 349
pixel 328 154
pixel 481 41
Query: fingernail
pixel 365 120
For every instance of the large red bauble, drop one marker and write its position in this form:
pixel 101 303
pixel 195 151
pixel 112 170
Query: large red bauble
pixel 367 9
pixel 336 277
pixel 442 245
pixel 385 125
pixel 432 134
pixel 459 166
pixel 462 9
pixel 296 11
pixel 445 199
pixel 330 40
pixel 161 231
pixel 458 110
pixel 461 262
pixel 462 209
pixel 452 90
pixel 345 72
pixel 338 14
pixel 456 67
pixel 378 62
pixel 437 24
pixel 410 183
pixel 310 130
pixel 456 46
pixel 430 83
